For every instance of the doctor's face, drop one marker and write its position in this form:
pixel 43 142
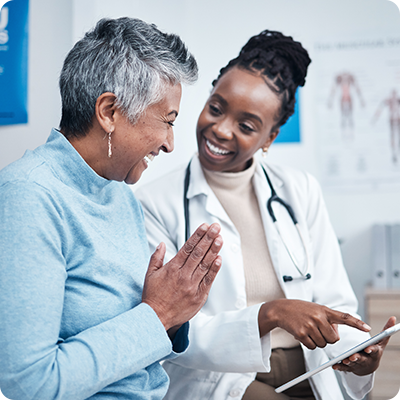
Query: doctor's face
pixel 236 121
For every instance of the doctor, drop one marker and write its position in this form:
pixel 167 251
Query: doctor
pixel 274 309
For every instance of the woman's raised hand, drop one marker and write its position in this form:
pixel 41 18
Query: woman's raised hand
pixel 177 290
pixel 310 323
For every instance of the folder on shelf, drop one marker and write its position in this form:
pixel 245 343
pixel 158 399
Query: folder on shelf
pixel 380 255
pixel 394 259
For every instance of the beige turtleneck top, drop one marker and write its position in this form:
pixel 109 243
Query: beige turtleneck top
pixel 235 191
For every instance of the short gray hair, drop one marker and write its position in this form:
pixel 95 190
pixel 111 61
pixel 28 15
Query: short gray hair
pixel 127 57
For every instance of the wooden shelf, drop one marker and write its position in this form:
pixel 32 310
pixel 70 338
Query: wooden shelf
pixel 380 305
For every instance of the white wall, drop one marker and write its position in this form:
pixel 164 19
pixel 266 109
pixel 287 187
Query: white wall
pixel 214 31
pixel 50 37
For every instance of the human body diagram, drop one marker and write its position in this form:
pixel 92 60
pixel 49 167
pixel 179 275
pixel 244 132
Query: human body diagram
pixel 392 102
pixel 347 84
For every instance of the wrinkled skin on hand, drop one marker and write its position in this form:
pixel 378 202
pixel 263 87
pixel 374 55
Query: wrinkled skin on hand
pixel 310 323
pixel 177 290
pixel 367 361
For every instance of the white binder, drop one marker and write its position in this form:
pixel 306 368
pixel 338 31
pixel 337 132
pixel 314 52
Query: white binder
pixel 394 259
pixel 380 256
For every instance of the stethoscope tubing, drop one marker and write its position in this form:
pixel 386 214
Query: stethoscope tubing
pixel 289 209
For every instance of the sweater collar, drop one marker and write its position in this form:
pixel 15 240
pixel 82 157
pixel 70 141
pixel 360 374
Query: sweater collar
pixel 232 181
pixel 69 166
pixel 198 183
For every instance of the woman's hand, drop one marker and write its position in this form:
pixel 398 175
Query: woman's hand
pixel 177 290
pixel 310 323
pixel 367 361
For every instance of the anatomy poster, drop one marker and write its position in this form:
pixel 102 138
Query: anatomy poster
pixel 357 111
pixel 14 62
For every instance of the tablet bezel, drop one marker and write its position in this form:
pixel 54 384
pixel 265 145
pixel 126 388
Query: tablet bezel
pixel 373 340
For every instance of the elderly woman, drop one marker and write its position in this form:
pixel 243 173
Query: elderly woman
pixel 80 317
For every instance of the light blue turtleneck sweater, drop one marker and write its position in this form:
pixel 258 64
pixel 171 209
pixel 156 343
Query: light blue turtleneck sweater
pixel 73 256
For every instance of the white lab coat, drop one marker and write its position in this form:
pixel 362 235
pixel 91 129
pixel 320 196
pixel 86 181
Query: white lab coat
pixel 225 349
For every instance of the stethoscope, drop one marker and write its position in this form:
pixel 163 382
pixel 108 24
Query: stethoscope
pixel 304 275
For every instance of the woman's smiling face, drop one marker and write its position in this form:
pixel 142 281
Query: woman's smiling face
pixel 132 145
pixel 236 121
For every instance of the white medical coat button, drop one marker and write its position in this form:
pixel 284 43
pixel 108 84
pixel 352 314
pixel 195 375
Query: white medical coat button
pixel 234 393
pixel 240 304
pixel 235 248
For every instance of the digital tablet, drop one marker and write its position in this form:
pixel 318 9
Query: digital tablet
pixel 348 353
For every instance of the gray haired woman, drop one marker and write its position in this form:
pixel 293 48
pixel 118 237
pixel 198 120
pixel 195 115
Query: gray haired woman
pixel 80 316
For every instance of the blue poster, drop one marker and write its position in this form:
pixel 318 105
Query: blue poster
pixel 290 132
pixel 14 62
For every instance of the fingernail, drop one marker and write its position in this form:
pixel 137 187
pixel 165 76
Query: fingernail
pixel 214 229
pixel 366 326
pixel 158 247
pixel 204 227
pixel 218 242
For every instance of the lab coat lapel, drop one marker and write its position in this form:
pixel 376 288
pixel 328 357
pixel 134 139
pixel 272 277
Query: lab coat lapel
pixel 229 286
pixel 199 186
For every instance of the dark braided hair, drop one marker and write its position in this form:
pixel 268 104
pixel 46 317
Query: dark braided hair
pixel 282 60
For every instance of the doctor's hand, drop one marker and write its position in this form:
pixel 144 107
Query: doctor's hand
pixel 367 361
pixel 177 290
pixel 312 324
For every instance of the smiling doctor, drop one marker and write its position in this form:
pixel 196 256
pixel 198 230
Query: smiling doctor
pixel 275 307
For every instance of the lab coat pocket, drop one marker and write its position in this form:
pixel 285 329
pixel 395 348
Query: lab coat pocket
pixel 190 384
